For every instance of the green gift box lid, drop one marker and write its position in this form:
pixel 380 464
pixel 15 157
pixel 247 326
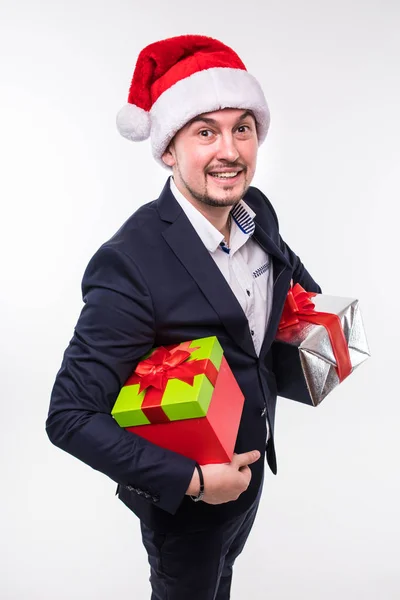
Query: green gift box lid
pixel 177 399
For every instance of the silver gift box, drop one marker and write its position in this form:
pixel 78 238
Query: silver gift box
pixel 303 359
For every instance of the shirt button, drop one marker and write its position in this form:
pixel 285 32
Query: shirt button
pixel 252 331
pixel 248 292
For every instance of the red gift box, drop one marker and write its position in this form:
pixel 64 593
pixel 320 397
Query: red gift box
pixel 207 439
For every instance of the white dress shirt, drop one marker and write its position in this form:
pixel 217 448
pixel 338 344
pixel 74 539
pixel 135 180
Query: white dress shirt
pixel 244 264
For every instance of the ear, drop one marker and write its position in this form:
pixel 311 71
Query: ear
pixel 169 156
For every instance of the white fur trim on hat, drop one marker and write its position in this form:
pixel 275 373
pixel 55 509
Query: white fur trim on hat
pixel 133 123
pixel 205 91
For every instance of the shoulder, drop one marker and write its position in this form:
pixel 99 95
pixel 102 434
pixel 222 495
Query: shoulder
pixel 139 235
pixel 117 264
pixel 139 226
pixel 130 246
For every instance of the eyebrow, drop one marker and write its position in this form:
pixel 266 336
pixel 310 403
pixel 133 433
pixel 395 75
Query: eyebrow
pixel 209 121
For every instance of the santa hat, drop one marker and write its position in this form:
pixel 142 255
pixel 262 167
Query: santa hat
pixel 180 78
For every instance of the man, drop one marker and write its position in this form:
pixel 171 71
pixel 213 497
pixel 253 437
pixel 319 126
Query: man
pixel 204 259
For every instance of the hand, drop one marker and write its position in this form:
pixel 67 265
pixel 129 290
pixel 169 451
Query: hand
pixel 225 482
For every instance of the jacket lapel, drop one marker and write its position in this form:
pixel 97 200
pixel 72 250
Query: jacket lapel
pixel 190 250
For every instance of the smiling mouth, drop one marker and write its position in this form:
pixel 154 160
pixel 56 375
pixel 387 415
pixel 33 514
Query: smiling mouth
pixel 224 174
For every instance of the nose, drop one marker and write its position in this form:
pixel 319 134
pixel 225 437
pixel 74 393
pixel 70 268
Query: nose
pixel 227 150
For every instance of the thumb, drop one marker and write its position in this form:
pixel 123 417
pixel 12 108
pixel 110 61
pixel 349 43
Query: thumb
pixel 247 458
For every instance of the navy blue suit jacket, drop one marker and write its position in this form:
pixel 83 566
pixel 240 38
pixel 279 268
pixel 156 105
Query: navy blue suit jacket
pixel 154 283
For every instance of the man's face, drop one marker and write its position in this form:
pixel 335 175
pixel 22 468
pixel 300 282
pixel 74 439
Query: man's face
pixel 213 157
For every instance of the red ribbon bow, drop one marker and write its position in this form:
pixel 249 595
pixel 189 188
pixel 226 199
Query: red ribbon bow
pixel 154 372
pixel 299 307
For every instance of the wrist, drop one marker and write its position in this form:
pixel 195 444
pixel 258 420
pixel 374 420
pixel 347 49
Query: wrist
pixel 194 486
pixel 200 495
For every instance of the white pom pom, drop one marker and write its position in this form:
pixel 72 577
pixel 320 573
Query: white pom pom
pixel 133 123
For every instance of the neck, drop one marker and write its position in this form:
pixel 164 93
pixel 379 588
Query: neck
pixel 226 231
pixel 218 216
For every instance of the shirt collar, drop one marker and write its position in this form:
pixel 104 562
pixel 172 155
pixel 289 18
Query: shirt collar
pixel 242 220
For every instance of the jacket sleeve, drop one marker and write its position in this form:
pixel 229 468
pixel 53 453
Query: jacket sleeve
pixel 300 273
pixel 289 377
pixel 115 328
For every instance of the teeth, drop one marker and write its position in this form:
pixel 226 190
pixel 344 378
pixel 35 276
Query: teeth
pixel 224 175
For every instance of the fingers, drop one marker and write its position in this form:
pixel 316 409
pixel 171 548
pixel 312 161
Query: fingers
pixel 247 458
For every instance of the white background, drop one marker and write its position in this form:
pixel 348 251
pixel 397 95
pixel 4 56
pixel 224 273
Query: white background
pixel 328 526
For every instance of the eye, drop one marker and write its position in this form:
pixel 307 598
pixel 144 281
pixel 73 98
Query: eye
pixel 205 133
pixel 243 128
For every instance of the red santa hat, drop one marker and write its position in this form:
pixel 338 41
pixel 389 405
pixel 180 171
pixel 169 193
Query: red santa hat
pixel 180 78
